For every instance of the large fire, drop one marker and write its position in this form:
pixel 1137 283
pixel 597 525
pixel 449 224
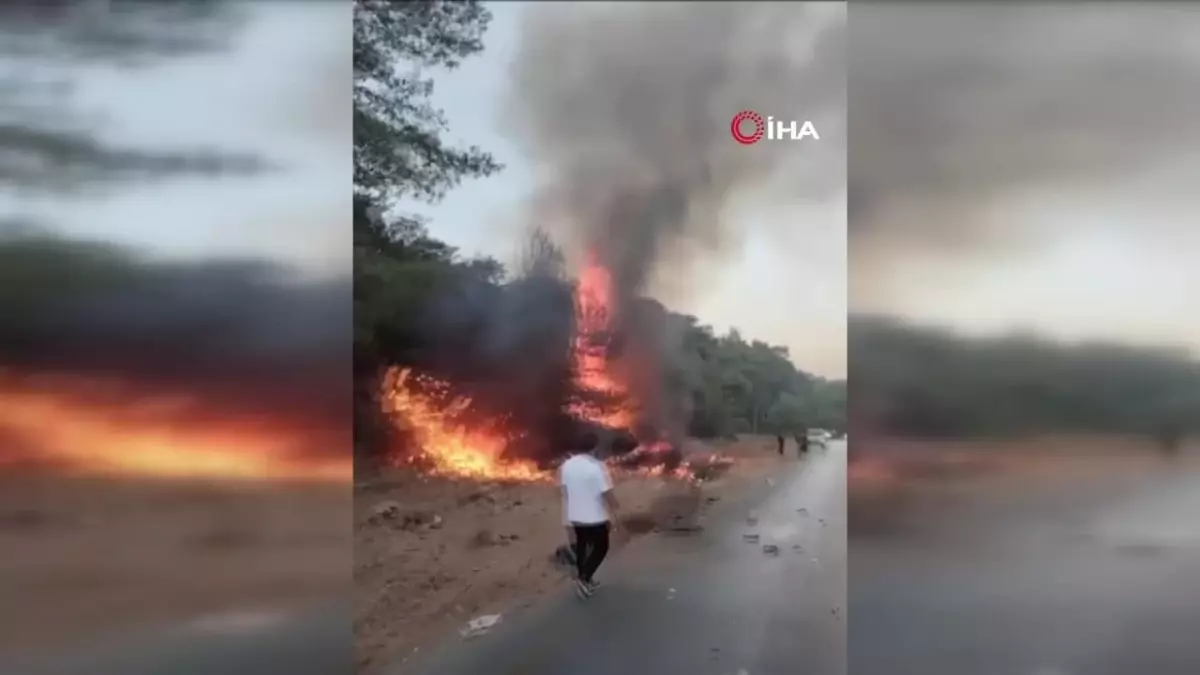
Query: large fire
pixel 94 428
pixel 454 441
pixel 592 367
pixel 450 445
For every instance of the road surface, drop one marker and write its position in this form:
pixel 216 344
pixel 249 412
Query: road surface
pixel 703 604
pixel 317 642
pixel 1075 576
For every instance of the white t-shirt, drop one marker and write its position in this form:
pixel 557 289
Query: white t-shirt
pixel 584 480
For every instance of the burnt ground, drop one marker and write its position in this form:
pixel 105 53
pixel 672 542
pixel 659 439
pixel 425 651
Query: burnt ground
pixel 430 554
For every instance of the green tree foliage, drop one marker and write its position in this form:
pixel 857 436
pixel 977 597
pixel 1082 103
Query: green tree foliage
pixel 398 149
pixel 504 339
pixel 933 383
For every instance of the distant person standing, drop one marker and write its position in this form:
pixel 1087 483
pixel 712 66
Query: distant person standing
pixel 780 439
pixel 588 509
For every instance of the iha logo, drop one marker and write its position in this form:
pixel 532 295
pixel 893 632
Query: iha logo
pixel 748 128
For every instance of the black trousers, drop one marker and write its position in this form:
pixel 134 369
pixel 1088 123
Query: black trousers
pixel 591 546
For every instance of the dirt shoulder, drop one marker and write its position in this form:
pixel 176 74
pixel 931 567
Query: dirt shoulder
pixel 87 557
pixel 431 554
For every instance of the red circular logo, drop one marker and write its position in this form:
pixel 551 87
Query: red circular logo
pixel 735 127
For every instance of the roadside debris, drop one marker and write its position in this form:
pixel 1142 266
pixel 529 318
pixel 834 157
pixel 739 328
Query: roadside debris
pixel 385 511
pixel 802 511
pixel 770 549
pixel 392 513
pixel 750 537
pixel 480 625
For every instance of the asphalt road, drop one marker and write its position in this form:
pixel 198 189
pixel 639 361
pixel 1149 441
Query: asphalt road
pixel 711 603
pixel 1072 576
pixel 317 642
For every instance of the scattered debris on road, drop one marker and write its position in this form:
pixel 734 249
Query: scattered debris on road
pixel 802 511
pixel 770 549
pixel 415 583
pixel 750 537
pixel 480 625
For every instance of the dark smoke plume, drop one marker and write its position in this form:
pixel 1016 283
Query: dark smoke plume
pixel 951 108
pixel 243 336
pixel 625 110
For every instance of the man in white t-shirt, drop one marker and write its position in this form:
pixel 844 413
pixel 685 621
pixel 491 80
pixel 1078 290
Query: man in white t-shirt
pixel 588 508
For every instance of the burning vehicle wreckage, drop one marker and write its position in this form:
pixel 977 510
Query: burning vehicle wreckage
pixel 519 371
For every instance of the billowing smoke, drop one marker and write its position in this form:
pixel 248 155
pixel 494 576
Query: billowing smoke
pixel 625 110
pixel 953 108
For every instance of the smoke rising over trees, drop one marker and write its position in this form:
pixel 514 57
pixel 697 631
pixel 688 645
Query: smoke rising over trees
pixel 503 336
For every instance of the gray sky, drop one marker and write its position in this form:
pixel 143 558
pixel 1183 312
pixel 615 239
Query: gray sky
pixel 1028 166
pixel 283 91
pixel 784 281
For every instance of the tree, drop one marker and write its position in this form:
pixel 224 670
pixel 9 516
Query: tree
pixel 504 342
pixel 398 149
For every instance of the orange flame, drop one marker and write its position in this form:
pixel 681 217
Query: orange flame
pixel 53 423
pixel 451 448
pixel 455 443
pixel 592 369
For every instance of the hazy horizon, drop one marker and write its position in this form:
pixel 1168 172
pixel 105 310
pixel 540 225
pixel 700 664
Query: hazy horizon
pixel 1042 184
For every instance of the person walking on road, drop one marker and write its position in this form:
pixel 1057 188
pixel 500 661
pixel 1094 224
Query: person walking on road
pixel 589 507
pixel 780 439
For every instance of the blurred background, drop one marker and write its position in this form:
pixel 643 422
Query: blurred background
pixel 1025 389
pixel 175 351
